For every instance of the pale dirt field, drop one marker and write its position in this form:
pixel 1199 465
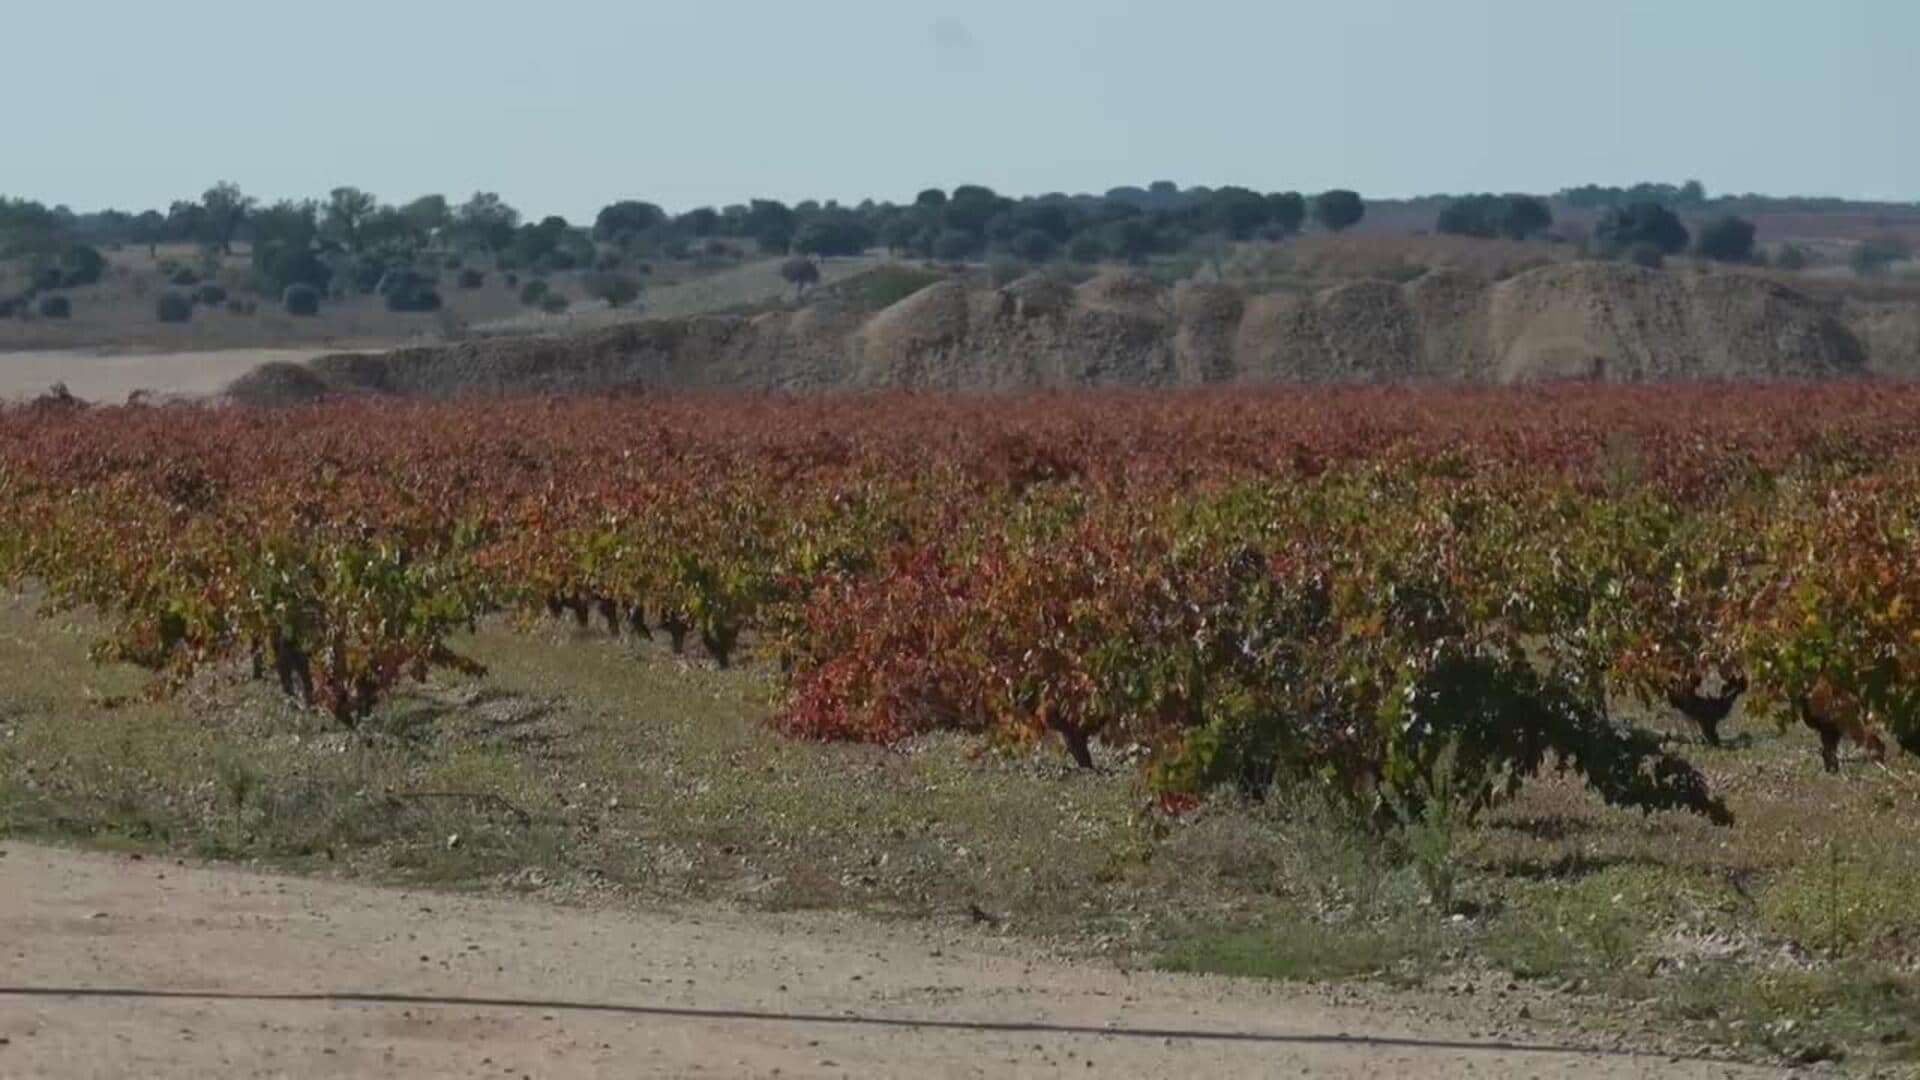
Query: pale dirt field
pixel 108 374
pixel 113 966
pixel 109 377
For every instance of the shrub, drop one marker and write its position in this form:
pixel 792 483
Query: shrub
pixel 554 304
pixel 472 279
pixel 210 294
pixel 1004 272
pixel 1874 256
pixel 533 292
pixel 173 307
pixel 1791 257
pixel 406 290
pixel 185 277
pixel 454 262
pixel 1727 239
pixel 800 272
pixel 56 307
pixel 240 307
pixel 513 281
pixel 81 265
pixel 1648 255
pixel 301 300
pixel 286 267
pixel 415 297
pixel 9 306
pixel 617 290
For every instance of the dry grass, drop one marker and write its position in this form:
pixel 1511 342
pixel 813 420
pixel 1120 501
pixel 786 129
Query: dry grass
pixel 119 312
pixel 593 770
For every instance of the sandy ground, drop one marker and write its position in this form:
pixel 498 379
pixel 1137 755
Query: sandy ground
pixel 109 377
pixel 115 966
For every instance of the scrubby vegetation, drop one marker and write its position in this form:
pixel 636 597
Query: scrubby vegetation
pixel 301 300
pixel 173 307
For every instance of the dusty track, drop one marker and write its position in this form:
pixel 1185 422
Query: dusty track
pixel 116 967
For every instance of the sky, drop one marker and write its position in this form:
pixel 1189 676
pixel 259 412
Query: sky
pixel 566 105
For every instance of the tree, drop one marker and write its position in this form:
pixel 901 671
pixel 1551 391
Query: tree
pixel 149 228
pixel 770 224
pixel 487 221
pixel 840 234
pixel 224 210
pixel 1727 239
pixel 427 215
pixel 78 265
pixel 930 199
pixel 700 223
pixel 346 212
pixel 1338 210
pixel 187 221
pixel 1237 211
pixel 1469 216
pixel 622 221
pixel 1648 224
pixel 905 234
pixel 1132 239
pixel 1525 215
pixel 801 273
pixel 1287 210
pixel 970 208
pixel 956 246
pixel 283 237
pixel 1087 248
pixel 388 228
pixel 617 290
pixel 1872 257
pixel 1791 257
pixel 1034 246
pixel 1513 216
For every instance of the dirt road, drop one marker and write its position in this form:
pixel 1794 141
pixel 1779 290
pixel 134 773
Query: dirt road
pixel 111 966
pixel 121 967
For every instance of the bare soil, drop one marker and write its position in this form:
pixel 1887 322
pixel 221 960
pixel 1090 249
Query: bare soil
pixel 112 377
pixel 118 966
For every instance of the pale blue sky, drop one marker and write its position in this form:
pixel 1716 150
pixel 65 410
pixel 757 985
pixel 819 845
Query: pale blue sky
pixel 564 105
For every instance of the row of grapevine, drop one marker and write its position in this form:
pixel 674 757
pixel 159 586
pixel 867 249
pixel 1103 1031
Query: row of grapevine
pixel 1352 587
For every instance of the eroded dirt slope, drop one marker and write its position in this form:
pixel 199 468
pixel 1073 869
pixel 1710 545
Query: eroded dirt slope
pixel 1564 321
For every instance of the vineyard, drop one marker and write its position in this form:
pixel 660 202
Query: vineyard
pixel 1395 595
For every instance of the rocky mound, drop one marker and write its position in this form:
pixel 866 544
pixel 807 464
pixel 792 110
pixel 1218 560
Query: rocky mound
pixel 1565 321
pixel 1624 323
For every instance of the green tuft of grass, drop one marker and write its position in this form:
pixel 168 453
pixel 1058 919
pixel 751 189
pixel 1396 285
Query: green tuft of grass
pixel 1299 951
